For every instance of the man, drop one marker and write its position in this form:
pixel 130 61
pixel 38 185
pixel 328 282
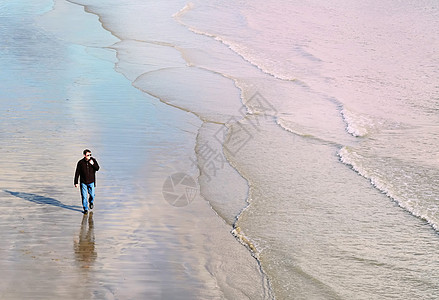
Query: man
pixel 86 169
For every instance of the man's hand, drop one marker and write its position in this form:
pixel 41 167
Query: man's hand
pixel 91 161
pixel 76 185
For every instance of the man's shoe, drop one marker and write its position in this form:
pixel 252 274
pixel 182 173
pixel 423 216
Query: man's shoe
pixel 91 205
pixel 85 212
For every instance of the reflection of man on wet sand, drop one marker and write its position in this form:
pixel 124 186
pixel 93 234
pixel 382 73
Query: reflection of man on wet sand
pixel 85 247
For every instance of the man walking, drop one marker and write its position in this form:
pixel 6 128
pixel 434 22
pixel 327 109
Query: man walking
pixel 86 169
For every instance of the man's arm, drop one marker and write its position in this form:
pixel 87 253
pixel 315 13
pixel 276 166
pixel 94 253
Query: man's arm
pixel 75 181
pixel 94 164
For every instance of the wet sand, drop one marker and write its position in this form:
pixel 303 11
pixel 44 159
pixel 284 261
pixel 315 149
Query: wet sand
pixel 62 97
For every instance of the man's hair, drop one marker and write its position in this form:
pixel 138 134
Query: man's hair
pixel 86 151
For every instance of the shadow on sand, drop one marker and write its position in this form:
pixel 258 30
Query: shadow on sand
pixel 43 200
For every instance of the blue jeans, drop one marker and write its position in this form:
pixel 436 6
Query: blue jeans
pixel 87 189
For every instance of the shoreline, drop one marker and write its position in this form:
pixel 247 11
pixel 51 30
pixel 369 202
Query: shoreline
pixel 234 230
pixel 142 237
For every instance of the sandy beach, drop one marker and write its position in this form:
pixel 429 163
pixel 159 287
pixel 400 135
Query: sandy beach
pixel 63 95
pixel 248 149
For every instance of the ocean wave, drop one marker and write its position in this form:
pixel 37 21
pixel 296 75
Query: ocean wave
pixel 398 186
pixel 287 126
pixel 357 125
pixel 303 132
pixel 214 103
pixel 189 6
pixel 240 50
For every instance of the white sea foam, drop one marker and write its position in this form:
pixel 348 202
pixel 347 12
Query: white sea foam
pixel 240 49
pixel 399 184
pixel 357 125
pixel 184 10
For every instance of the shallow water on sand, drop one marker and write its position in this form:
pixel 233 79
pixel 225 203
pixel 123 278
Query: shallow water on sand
pixel 63 95
pixel 316 151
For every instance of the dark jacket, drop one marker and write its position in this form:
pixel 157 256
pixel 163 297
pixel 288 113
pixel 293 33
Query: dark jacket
pixel 86 171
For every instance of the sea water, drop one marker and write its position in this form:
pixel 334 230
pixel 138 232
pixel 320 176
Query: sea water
pixel 318 131
pixel 326 115
pixel 342 169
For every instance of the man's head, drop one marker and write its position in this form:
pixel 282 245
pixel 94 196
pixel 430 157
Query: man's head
pixel 87 154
